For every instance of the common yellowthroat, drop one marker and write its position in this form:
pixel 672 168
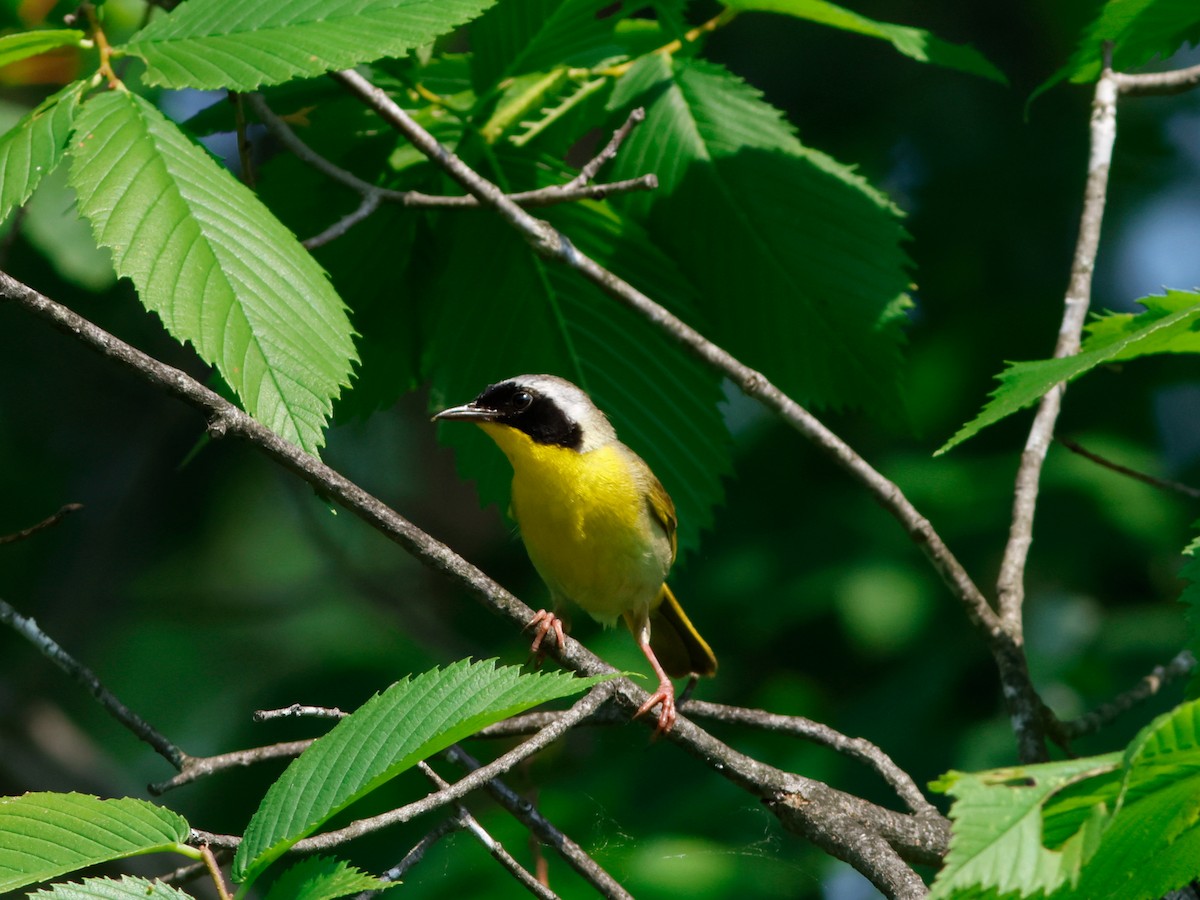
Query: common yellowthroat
pixel 597 524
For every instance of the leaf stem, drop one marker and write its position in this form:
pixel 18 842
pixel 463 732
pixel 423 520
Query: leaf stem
pixel 103 47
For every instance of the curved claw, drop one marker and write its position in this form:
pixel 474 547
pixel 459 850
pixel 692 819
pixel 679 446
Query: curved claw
pixel 665 695
pixel 543 622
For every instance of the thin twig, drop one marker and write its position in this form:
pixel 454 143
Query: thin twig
pixel 593 166
pixel 298 710
pixel 370 203
pixel 494 847
pixel 46 645
pixel 1147 687
pixel 197 767
pixel 542 829
pixel 444 828
pixel 547 196
pixel 1149 83
pixel 1164 484
pixel 48 522
pixel 1024 704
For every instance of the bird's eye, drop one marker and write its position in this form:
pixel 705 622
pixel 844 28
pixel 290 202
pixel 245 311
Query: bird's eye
pixel 521 400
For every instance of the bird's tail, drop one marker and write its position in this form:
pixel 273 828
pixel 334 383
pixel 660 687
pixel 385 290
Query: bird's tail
pixel 676 642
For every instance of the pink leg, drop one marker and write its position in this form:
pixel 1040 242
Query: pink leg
pixel 665 694
pixel 543 622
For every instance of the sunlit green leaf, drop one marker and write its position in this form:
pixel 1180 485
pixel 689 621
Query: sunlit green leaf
pixel 1123 826
pixel 241 46
pixel 391 732
pixel 46 835
pixel 35 146
pixel 126 888
pixel 1169 325
pixel 216 266
pixel 15 47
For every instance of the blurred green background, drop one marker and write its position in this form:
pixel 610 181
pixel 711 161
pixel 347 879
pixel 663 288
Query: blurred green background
pixel 201 583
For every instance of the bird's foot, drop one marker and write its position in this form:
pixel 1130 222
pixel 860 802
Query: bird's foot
pixel 664 698
pixel 543 622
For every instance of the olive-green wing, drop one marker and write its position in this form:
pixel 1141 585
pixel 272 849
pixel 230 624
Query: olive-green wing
pixel 662 508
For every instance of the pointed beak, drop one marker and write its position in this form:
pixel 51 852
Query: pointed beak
pixel 468 412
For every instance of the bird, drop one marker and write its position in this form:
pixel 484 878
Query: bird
pixel 597 524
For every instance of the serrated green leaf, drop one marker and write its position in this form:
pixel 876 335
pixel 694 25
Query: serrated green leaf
pixel 915 43
pixel 242 46
pixel 324 878
pixel 389 733
pixel 126 888
pixel 35 146
pixel 997 839
pixel 216 266
pixel 15 47
pixel 1139 30
pixel 805 278
pixel 1169 325
pixel 44 835
pixel 1121 826
pixel 518 37
pixel 524 316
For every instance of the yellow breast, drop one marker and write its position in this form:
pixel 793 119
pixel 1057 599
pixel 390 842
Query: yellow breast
pixel 586 522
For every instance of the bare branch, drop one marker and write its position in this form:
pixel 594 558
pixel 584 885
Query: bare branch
pixel 856 748
pixel 594 165
pixel 1024 704
pixel 297 710
pixel 446 827
pixel 139 727
pixel 1150 83
pixel 541 828
pixel 494 847
pixel 1146 688
pixel 1163 484
pixel 370 203
pixel 576 189
pixel 48 522
pixel 196 767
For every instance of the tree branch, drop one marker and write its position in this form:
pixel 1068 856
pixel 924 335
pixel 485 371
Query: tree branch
pixel 1162 484
pixel 1025 706
pixel 135 724
pixel 576 189
pixel 541 828
pixel 1151 83
pixel 1146 688
pixel 494 847
pixel 48 522
pixel 858 749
